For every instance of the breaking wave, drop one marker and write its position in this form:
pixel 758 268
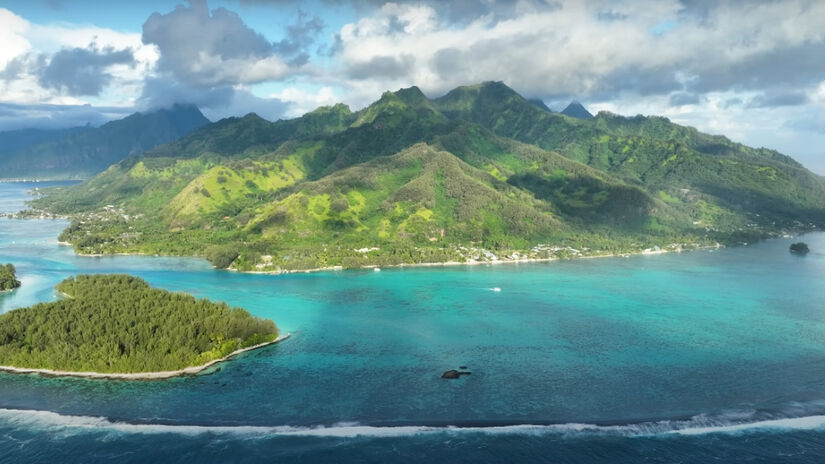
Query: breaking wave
pixel 731 423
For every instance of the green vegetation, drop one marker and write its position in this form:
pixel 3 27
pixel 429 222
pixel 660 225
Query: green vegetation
pixel 85 151
pixel 8 278
pixel 119 324
pixel 478 174
pixel 800 248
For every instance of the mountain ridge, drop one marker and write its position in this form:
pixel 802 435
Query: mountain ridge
pixel 84 152
pixel 478 172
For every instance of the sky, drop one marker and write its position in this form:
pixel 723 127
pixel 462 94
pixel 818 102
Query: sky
pixel 751 70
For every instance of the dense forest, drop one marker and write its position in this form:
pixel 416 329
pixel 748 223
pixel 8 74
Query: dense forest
pixel 8 278
pixel 119 324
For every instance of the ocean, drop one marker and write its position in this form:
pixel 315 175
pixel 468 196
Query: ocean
pixel 711 355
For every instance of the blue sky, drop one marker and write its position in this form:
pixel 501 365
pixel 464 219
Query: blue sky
pixel 130 16
pixel 751 70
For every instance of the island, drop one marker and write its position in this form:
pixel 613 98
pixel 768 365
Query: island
pixel 8 278
pixel 117 326
pixel 479 175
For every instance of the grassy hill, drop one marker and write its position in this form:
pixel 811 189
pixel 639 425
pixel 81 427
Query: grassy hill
pixel 84 152
pixel 478 173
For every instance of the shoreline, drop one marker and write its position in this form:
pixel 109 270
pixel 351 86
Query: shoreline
pixel 37 180
pixel 624 254
pixel 479 263
pixel 159 375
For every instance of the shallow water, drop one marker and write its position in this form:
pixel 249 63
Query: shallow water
pixel 679 357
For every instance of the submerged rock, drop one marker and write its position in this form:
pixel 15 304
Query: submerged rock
pixel 800 248
pixel 454 374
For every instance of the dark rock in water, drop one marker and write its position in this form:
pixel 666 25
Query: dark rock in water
pixel 800 248
pixel 248 374
pixel 454 374
pixel 462 367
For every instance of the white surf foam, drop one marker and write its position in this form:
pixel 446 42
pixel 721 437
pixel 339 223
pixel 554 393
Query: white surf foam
pixel 791 423
pixel 698 425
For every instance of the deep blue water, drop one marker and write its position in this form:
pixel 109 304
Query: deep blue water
pixel 693 357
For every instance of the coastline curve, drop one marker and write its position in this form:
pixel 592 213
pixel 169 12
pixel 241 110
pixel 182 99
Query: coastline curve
pixel 160 375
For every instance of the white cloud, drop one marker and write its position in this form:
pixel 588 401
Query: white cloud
pixel 302 101
pixel 206 48
pixel 50 38
pixel 699 63
pixel 30 44
pixel 683 60
pixel 13 30
pixel 574 50
pixel 818 95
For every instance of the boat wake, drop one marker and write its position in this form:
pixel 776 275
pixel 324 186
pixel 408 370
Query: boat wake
pixel 733 423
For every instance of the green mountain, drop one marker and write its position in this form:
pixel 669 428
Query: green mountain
pixel 478 174
pixel 654 153
pixel 576 110
pixel 84 152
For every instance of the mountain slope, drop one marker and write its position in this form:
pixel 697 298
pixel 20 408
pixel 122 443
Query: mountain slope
pixel 540 103
pixel 420 197
pixel 252 135
pixel 86 152
pixel 18 140
pixel 653 153
pixel 478 173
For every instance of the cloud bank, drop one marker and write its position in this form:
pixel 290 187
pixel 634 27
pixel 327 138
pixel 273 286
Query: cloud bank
pixel 745 68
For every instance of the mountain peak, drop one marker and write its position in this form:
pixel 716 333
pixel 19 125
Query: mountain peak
pixel 410 102
pixel 252 116
pixel 174 108
pixel 87 151
pixel 576 110
pixel 411 95
pixel 497 88
pixel 183 106
pixel 327 109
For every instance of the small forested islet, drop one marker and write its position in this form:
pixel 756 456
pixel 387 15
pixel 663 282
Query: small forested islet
pixel 119 324
pixel 8 278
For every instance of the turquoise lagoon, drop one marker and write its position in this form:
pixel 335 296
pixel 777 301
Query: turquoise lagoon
pixel 676 357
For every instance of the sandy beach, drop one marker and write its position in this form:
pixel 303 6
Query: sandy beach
pixel 140 375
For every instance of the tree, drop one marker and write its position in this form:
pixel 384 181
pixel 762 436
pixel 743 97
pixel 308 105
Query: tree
pixel 8 277
pixel 118 323
pixel 222 256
